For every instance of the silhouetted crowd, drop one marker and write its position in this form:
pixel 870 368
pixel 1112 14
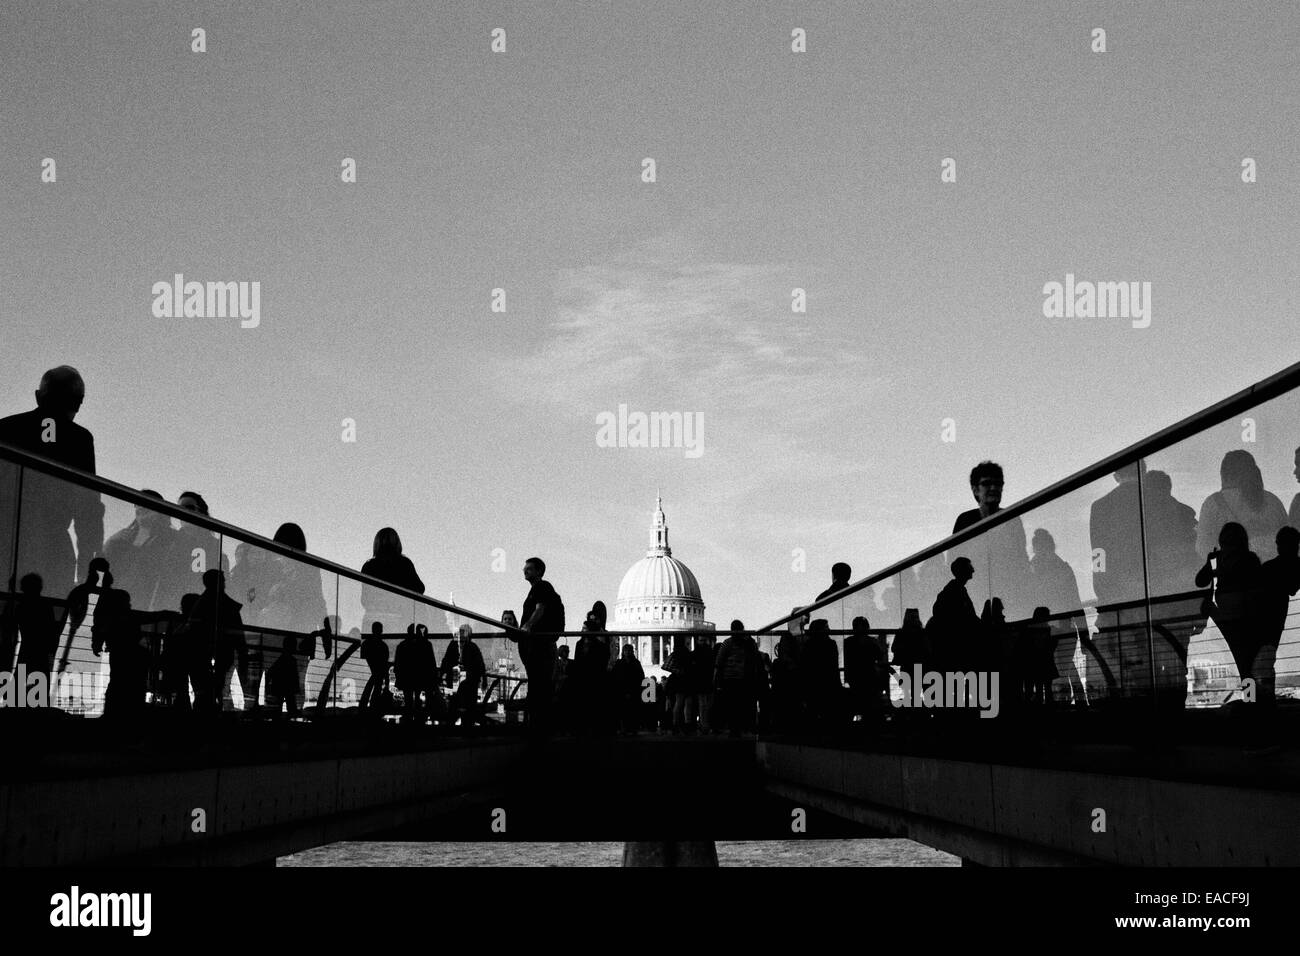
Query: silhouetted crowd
pixel 189 626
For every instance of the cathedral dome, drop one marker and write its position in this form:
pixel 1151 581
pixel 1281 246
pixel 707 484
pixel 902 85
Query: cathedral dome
pixel 659 591
pixel 658 576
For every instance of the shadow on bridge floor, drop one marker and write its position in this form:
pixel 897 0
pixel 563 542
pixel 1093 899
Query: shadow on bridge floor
pixel 636 788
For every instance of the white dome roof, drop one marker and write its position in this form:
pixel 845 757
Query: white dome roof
pixel 659 576
pixel 659 588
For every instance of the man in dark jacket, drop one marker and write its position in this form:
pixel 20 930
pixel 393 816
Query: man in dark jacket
pixel 700 680
pixel 217 642
pixel 735 675
pixel 822 689
pixel 955 623
pixel 590 663
pixel 51 505
pixel 866 671
pixel 473 676
pixel 1279 579
pixel 543 616
pixel 415 667
pixel 374 651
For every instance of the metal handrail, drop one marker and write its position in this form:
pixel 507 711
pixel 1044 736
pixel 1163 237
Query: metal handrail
pixel 1262 391
pixel 84 479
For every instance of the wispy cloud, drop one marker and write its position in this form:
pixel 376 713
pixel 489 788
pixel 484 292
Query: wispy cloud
pixel 665 324
pixel 666 327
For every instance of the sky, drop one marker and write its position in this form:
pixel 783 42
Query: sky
pixel 476 431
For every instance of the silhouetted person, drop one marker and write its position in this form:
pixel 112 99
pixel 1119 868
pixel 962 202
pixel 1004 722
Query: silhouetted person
pixel 629 678
pixel 197 550
pixel 1171 534
pixel 295 602
pixel 179 660
pixel 464 700
pixel 50 505
pixel 682 703
pixel 840 614
pixel 388 564
pixel 655 706
pixel 786 705
pixel 840 573
pixel 542 618
pixel 820 671
pixel 911 645
pixel 1057 588
pixel 699 681
pixel 735 675
pixel 866 671
pixel 1293 514
pixel 249 581
pixel 415 668
pixel 374 651
pixel 142 554
pixel 1172 562
pixel 78 604
pixel 1234 571
pixel 999 557
pixel 1243 500
pixel 116 630
pixel 1279 580
pixel 1038 658
pixel 954 625
pixel 797 627
pixel 217 626
pixel 1114 533
pixel 590 664
pixel 39 628
pixel 1007 653
pixel 450 661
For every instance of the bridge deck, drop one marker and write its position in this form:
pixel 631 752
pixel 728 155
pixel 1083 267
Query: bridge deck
pixel 75 791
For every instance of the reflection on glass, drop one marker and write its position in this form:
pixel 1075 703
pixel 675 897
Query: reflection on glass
pixel 1241 498
pixel 1055 589
pixel 50 511
pixel 144 555
pixel 284 612
pixel 8 523
pixel 8 580
pixel 1115 536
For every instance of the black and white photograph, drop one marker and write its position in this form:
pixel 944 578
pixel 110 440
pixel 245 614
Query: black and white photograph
pixel 447 442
